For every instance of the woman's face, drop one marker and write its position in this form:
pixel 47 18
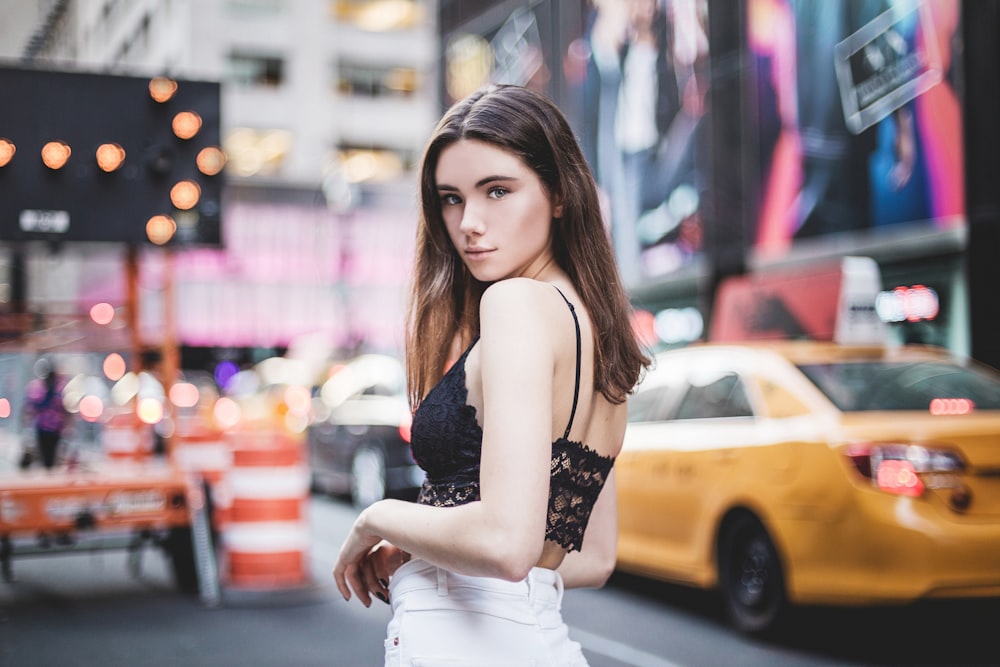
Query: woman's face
pixel 497 211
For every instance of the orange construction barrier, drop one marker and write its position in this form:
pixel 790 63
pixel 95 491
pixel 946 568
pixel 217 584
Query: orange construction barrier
pixel 199 448
pixel 266 538
pixel 125 438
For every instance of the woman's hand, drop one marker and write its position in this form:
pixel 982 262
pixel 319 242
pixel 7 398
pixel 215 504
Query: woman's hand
pixel 352 571
pixel 365 564
pixel 379 566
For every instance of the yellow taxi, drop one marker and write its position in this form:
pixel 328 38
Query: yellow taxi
pixel 798 473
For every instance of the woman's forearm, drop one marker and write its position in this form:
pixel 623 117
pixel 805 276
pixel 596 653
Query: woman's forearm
pixel 466 539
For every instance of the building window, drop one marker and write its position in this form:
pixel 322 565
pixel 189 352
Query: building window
pixel 255 70
pixel 361 164
pixel 374 81
pixel 379 15
pixel 256 151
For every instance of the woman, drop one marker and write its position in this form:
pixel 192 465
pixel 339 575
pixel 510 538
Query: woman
pixel 520 356
pixel 49 417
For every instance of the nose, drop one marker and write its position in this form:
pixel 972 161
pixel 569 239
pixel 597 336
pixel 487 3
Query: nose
pixel 472 221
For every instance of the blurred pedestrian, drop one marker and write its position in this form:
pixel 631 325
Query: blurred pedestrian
pixel 48 416
pixel 520 355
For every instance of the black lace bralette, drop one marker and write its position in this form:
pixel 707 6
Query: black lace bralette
pixel 447 443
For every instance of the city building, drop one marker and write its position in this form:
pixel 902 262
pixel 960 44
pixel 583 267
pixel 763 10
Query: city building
pixel 325 106
pixel 768 153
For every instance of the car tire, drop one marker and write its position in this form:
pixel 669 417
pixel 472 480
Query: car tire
pixel 368 476
pixel 750 576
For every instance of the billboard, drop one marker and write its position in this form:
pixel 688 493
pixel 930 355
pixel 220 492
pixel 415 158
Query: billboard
pixel 857 121
pixel 848 119
pixel 632 77
pixel 644 127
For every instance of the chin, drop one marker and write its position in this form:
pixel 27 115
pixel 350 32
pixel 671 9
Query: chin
pixel 488 276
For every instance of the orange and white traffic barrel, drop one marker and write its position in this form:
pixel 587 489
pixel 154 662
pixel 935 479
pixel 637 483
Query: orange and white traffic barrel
pixel 201 449
pixel 125 438
pixel 266 537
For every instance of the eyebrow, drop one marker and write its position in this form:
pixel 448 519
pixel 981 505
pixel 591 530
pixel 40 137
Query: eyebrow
pixel 480 183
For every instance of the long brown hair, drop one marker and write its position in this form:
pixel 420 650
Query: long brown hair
pixel 445 297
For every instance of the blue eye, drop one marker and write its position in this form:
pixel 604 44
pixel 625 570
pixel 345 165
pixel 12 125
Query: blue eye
pixel 449 199
pixel 498 192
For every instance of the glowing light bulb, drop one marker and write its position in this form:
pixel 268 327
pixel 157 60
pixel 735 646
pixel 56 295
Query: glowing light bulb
pixel 185 195
pixel 110 157
pixel 160 229
pixel 162 88
pixel 55 154
pixel 186 124
pixel 7 150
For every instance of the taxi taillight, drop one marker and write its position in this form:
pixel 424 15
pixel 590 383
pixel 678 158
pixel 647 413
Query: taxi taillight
pixel 904 469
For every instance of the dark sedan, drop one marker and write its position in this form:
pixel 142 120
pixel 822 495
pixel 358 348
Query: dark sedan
pixel 361 445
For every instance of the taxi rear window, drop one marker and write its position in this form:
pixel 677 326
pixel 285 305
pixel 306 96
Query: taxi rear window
pixel 882 385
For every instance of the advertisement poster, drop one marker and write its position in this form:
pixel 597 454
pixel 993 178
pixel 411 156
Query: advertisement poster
pixel 857 119
pixel 644 128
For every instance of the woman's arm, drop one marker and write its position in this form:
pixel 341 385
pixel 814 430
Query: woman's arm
pixel 501 535
pixel 593 564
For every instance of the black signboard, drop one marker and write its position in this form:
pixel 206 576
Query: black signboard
pixel 80 201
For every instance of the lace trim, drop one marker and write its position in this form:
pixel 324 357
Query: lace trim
pixel 578 473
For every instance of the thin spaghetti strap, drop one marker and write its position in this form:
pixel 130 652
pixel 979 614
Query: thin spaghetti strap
pixel 576 388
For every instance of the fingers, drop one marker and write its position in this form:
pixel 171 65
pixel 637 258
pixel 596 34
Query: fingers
pixel 377 583
pixel 356 579
pixel 339 577
pixel 368 574
pixel 350 578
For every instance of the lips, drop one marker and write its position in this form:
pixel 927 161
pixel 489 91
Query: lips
pixel 477 252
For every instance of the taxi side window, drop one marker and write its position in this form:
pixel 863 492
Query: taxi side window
pixel 649 405
pixel 725 396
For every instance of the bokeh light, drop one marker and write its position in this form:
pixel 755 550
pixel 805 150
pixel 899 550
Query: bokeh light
pixel 296 423
pixel 162 88
pixel 210 160
pixel 102 313
pixel 91 408
pixel 4 408
pixel 185 194
pixel 110 157
pixel 298 400
pixel 226 412
pixel 149 410
pixel 55 154
pixel 224 372
pixel 125 389
pixel 114 367
pixel 7 150
pixel 186 124
pixel 184 395
pixel 160 229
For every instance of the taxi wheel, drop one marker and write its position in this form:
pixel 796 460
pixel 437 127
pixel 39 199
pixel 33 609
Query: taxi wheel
pixel 368 472
pixel 750 576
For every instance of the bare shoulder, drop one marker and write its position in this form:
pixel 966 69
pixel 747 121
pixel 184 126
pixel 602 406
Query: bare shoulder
pixel 523 300
pixel 515 292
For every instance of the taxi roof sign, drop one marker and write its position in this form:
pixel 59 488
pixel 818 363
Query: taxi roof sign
pixel 834 303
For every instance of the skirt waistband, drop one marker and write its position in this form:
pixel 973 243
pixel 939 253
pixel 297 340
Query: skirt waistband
pixel 541 584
